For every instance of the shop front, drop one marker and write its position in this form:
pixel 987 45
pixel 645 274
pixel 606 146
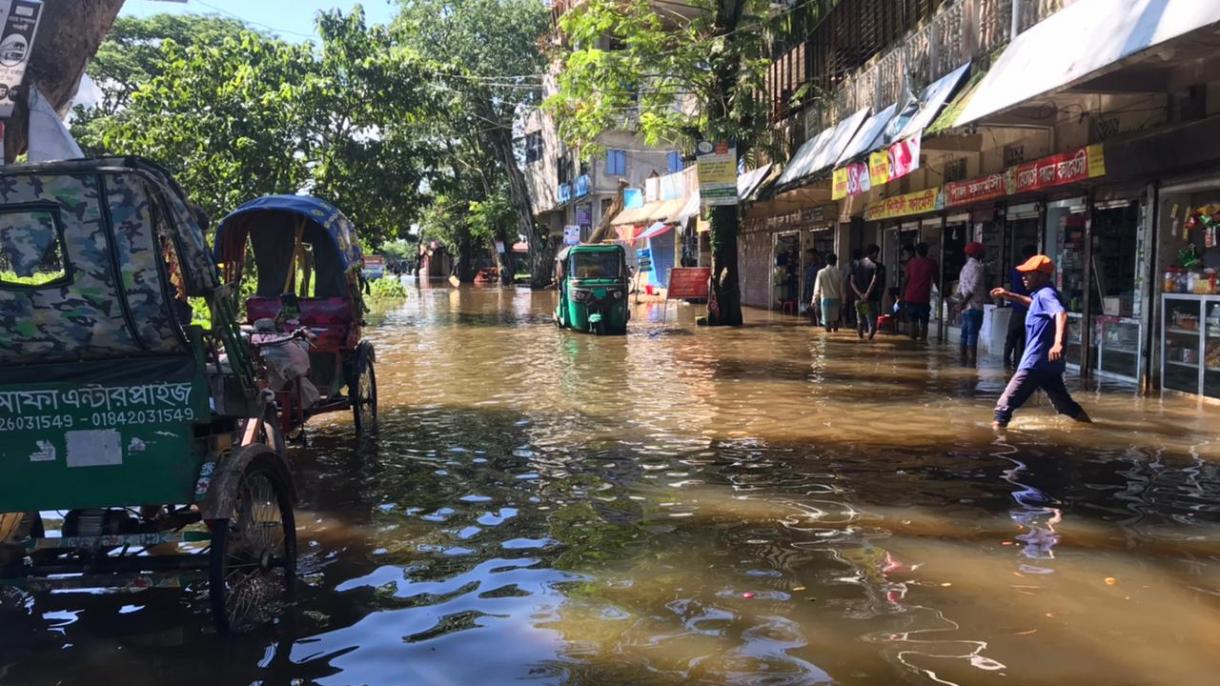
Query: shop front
pixel 1189 246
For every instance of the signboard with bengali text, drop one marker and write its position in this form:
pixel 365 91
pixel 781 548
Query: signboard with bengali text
pixel 988 187
pixel 920 202
pixel 1080 164
pixel 689 283
pixel 717 167
pixel 18 26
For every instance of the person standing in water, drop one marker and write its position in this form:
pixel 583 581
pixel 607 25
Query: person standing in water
pixel 1042 364
pixel 868 284
pixel 828 293
pixel 921 272
pixel 972 289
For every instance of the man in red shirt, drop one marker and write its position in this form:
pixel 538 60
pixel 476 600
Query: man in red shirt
pixel 917 297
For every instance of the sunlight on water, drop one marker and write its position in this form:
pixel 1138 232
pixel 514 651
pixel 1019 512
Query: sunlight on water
pixel 756 506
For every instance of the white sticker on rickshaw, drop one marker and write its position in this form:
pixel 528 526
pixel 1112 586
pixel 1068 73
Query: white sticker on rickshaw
pixel 97 448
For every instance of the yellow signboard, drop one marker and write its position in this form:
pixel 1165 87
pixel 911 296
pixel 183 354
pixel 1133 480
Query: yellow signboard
pixel 919 202
pixel 879 167
pixel 838 186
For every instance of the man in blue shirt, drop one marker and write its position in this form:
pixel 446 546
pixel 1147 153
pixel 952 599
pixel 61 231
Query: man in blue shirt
pixel 1042 363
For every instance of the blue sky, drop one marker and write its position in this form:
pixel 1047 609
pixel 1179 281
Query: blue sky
pixel 290 19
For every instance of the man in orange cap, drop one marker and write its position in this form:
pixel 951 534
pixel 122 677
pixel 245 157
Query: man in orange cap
pixel 1042 363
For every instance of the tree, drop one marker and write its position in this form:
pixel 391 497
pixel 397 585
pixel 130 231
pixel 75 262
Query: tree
pixel 485 63
pixel 242 114
pixel 678 73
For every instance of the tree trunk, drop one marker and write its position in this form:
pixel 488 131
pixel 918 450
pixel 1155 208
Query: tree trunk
pixel 724 300
pixel 69 33
pixel 603 231
pixel 541 250
pixel 465 255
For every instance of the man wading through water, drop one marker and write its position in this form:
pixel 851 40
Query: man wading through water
pixel 1042 364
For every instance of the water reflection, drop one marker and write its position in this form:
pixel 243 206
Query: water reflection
pixel 767 505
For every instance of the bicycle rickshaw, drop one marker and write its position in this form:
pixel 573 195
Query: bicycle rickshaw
pixel 307 307
pixel 146 436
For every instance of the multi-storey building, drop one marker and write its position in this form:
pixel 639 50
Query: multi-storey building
pixel 570 189
pixel 1086 128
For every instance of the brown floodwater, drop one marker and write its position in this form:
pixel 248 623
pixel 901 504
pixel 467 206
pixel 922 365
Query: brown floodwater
pixel 765 505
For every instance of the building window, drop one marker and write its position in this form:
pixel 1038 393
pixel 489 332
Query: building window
pixel 563 167
pixel 675 162
pixel 533 147
pixel 616 162
pixel 955 170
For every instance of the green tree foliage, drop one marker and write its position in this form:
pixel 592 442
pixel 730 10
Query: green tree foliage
pixel 238 114
pixel 677 73
pixel 485 62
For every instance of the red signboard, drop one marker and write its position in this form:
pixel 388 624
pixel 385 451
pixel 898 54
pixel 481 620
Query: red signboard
pixel 974 190
pixel 688 283
pixel 1057 170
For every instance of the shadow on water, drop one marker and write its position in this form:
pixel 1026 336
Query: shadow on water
pixel 680 505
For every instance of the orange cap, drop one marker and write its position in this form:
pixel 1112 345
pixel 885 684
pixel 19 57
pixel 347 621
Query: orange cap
pixel 1038 263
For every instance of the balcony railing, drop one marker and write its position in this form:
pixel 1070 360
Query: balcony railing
pixel 959 31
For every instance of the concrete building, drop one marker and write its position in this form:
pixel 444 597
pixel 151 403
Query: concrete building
pixel 1086 128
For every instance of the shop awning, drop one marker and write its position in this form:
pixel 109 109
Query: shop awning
pixel 1090 39
pixel 945 120
pixel 868 135
pixel 655 230
pixel 648 213
pixel 749 182
pixel 931 101
pixel 821 152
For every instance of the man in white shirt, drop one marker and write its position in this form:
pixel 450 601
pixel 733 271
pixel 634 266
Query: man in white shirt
pixel 828 292
pixel 973 292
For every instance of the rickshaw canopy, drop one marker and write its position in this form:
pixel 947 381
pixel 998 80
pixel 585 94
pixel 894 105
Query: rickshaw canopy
pixel 275 226
pixel 96 260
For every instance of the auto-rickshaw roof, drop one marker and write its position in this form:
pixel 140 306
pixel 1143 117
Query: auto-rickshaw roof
pixel 336 226
pixel 588 247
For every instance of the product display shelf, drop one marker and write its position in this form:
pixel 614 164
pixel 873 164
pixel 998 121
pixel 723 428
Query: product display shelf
pixel 1190 343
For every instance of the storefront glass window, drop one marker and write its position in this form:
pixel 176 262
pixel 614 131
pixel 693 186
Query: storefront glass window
pixel 1065 222
pixel 1116 330
pixel 1189 249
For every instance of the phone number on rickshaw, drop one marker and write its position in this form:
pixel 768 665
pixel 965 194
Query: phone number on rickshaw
pixel 97 419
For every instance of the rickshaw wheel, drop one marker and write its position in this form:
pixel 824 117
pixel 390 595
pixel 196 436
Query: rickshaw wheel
pixel 252 564
pixel 364 393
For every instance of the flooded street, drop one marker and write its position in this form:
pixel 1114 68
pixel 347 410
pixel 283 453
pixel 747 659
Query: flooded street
pixel 765 505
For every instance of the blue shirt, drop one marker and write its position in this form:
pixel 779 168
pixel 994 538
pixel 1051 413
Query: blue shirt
pixel 1018 287
pixel 1044 306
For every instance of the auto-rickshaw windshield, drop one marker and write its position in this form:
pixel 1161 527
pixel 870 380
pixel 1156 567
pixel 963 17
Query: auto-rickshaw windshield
pixel 596 265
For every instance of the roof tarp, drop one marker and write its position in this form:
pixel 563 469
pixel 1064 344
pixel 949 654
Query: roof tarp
pixel 749 182
pixel 931 100
pixel 827 148
pixel 954 109
pixel 658 211
pixel 655 230
pixel 1079 41
pixel 872 130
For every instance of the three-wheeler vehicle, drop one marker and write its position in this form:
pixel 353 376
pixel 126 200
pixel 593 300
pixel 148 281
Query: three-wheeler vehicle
pixel 593 282
pixel 307 309
pixel 142 437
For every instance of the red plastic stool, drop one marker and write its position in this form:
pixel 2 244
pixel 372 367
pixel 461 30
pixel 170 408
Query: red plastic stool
pixel 787 307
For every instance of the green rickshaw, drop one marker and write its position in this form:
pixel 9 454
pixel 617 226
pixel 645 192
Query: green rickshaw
pixel 139 449
pixel 593 288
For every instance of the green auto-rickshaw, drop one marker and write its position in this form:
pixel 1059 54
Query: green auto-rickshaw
pixel 593 285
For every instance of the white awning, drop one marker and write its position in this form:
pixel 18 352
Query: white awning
pixel 748 182
pixel 863 141
pixel 1079 41
pixel 932 100
pixel 827 148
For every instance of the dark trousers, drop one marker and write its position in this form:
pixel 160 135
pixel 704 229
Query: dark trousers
pixel 1023 384
pixel 1014 341
pixel 972 323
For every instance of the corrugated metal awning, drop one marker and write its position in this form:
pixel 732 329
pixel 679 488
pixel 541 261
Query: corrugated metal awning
pixel 1076 43
pixel 821 153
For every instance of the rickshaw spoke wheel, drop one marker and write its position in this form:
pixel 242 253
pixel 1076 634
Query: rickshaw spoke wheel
pixel 253 561
pixel 364 400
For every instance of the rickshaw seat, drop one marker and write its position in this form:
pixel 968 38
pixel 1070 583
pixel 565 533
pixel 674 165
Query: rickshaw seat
pixel 329 318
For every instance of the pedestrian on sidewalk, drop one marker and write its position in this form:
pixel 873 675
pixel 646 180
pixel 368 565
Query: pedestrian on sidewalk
pixel 828 292
pixel 868 285
pixel 1014 339
pixel 1042 364
pixel 972 293
pixel 921 273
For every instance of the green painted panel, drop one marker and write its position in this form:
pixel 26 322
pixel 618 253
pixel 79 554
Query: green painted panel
pixel 71 445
